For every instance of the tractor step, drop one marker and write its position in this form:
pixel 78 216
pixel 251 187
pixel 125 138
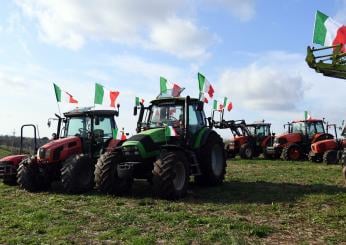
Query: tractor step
pixel 194 166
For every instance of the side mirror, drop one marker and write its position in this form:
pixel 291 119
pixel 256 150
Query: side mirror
pixel 49 123
pixel 135 111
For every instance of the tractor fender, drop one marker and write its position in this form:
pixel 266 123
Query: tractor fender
pixel 203 137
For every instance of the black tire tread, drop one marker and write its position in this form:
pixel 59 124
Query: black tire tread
pixel 163 175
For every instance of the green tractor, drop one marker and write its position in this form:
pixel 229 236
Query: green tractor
pixel 167 162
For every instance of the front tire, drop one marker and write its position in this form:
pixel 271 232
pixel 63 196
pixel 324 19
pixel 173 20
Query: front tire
pixel 29 177
pixel 170 175
pixel 77 174
pixel 292 152
pixel 246 151
pixel 212 162
pixel 314 157
pixel 107 179
pixel 330 157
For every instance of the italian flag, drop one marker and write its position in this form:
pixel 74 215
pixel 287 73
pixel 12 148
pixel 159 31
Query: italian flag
pixel 170 132
pixel 205 88
pixel 229 106
pixel 307 115
pixel 328 32
pixel 217 106
pixel 105 97
pixel 63 96
pixel 167 87
pixel 138 101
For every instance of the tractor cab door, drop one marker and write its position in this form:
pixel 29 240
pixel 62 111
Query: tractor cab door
pixel 197 121
pixel 102 132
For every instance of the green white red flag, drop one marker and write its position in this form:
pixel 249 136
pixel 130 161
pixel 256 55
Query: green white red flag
pixel 227 105
pixel 328 32
pixel 217 106
pixel 104 96
pixel 206 90
pixel 307 115
pixel 138 101
pixel 170 131
pixel 63 96
pixel 169 88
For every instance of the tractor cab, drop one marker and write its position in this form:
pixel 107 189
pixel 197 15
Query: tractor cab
pixel 260 130
pixel 310 129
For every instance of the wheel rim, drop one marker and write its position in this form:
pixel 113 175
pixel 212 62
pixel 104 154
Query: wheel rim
pixel 217 160
pixel 180 176
pixel 294 153
pixel 248 152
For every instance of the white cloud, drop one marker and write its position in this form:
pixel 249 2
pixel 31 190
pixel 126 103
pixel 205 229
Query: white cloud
pixel 146 69
pixel 244 9
pixel 263 87
pixel 151 23
pixel 181 38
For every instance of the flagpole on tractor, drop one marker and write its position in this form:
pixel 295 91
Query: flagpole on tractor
pixel 58 108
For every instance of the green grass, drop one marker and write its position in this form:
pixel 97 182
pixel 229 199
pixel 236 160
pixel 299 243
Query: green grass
pixel 260 202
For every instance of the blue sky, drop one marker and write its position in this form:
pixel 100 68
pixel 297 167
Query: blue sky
pixel 251 51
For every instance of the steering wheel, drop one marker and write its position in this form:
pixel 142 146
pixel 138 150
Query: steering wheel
pixel 82 131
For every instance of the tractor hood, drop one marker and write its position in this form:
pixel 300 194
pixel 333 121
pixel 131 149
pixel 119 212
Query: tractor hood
pixel 147 143
pixel 60 149
pixel 324 145
pixel 240 139
pixel 285 138
pixel 15 159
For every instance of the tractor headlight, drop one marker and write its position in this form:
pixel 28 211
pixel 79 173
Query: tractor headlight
pixel 42 153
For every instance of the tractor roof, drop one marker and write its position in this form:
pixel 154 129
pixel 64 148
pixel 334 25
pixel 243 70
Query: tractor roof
pixel 175 100
pixel 308 120
pixel 88 111
pixel 258 124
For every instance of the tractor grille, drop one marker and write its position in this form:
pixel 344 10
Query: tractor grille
pixel 7 169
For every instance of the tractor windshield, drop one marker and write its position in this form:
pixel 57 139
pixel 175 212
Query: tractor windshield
pixel 170 115
pixel 77 126
pixel 259 130
pixel 311 127
pixel 298 127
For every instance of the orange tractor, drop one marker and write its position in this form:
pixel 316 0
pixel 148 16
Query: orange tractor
pixel 295 144
pixel 330 150
pixel 249 140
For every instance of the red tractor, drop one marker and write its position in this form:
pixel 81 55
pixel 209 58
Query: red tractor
pixel 249 140
pixel 9 164
pixel 82 135
pixel 296 143
pixel 330 150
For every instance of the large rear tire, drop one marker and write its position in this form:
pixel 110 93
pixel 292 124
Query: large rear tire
pixel 107 179
pixel 212 162
pixel 77 174
pixel 246 151
pixel 29 177
pixel 291 152
pixel 170 175
pixel 330 157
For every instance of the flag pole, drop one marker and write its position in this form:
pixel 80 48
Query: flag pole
pixel 58 108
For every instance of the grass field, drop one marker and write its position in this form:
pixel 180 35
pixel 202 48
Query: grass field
pixel 260 202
